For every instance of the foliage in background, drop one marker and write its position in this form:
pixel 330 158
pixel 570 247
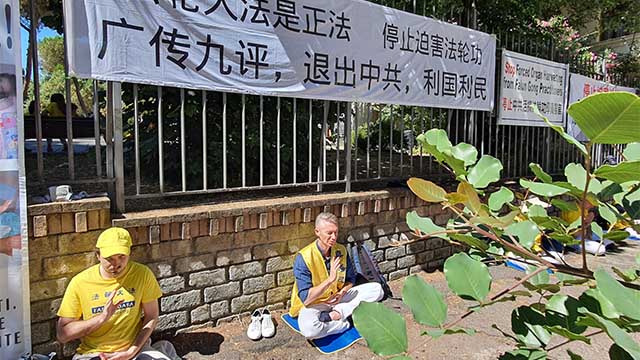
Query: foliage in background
pixel 492 224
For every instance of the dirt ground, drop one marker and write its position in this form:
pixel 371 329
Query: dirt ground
pixel 229 341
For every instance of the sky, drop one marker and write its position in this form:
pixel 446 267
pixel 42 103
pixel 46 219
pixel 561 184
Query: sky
pixel 45 32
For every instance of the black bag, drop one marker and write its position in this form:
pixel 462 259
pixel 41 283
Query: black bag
pixel 367 267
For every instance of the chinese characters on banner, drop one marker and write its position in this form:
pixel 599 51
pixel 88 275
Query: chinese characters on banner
pixel 345 50
pixel 581 87
pixel 527 81
pixel 15 339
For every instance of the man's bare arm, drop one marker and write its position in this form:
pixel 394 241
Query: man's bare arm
pixel 149 322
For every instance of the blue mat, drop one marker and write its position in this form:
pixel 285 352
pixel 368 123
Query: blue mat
pixel 328 344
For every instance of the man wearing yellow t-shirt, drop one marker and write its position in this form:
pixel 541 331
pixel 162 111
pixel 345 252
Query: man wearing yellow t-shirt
pixel 323 295
pixel 112 307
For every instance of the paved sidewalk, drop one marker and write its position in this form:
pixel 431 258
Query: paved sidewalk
pixel 229 341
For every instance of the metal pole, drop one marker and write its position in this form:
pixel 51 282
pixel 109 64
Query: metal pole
pixel 347 144
pixel 243 136
pixel 183 143
pixel 224 140
pixel 379 143
pixel 391 142
pixel 368 141
pixel 278 141
pixel 96 127
pixel 109 137
pixel 310 152
pixel 119 148
pixel 295 143
pixel 205 179
pixel 160 143
pixel 337 135
pixel 262 141
pixel 68 109
pixel 136 136
pixel 36 89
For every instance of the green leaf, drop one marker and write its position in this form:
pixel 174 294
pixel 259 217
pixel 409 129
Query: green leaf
pixel 473 202
pixel 540 173
pixel 564 205
pixel 570 139
pixel 436 333
pixel 632 152
pixel 426 303
pixel 574 356
pixel 608 118
pixel 425 225
pixel 627 275
pixel 607 214
pixel 570 279
pixel 486 171
pixel 562 311
pixel 543 189
pixel 619 336
pixel 465 152
pixel 549 223
pixel 401 357
pixel 499 198
pixel 467 278
pixel 618 353
pixel 632 208
pixel 439 139
pixel 524 354
pixel 597 303
pixel 621 173
pixel 525 231
pixel 471 241
pixel 540 278
pixel 384 329
pixel 426 190
pixel 455 198
pixel 537 210
pixel 624 299
pixel 436 142
pixel 556 329
pixel 596 229
pixel 609 190
pixel 577 176
pixel 616 235
pixel 528 326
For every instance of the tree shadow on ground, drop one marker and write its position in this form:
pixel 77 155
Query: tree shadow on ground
pixel 204 343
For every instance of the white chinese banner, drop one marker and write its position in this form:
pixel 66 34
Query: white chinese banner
pixel 526 81
pixel 580 87
pixel 15 327
pixel 345 50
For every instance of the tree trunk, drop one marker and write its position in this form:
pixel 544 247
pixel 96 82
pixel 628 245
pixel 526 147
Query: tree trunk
pixel 27 75
pixel 83 106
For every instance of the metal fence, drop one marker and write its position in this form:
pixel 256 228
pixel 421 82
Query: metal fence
pixel 155 143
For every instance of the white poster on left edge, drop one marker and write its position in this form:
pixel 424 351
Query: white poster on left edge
pixel 343 50
pixel 526 81
pixel 15 319
pixel 581 87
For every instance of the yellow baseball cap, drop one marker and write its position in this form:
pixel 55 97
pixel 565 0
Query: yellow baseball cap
pixel 114 241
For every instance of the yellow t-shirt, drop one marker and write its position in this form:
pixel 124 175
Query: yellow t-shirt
pixel 53 110
pixel 87 294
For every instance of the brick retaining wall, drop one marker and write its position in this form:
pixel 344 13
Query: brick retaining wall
pixel 217 261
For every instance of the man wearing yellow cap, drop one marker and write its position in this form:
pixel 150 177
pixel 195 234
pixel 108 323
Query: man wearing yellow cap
pixel 112 307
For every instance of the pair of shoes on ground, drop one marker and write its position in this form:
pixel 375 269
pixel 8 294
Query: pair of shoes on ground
pixel 261 325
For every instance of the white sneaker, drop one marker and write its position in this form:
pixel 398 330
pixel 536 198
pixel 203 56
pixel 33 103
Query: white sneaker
pixel 268 327
pixel 254 332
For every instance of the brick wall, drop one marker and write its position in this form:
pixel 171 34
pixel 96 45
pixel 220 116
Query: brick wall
pixel 215 262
